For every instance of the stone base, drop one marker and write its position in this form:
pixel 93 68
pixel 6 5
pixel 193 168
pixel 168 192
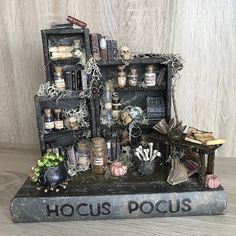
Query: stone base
pixel 98 198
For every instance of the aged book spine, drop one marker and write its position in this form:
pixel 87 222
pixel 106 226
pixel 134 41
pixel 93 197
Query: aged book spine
pixel 64 208
pixel 214 142
pixel 95 46
pixel 110 56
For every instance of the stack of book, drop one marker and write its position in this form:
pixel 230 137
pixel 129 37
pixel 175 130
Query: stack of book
pixel 103 48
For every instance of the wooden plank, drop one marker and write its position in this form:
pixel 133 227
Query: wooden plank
pixel 203 32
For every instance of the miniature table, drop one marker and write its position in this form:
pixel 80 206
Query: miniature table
pixel 202 150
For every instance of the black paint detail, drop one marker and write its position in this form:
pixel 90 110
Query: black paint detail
pixel 92 210
pixel 107 207
pixel 171 206
pixel 142 208
pixel 50 211
pixel 158 204
pixel 78 209
pixel 67 206
pixel 186 205
pixel 130 208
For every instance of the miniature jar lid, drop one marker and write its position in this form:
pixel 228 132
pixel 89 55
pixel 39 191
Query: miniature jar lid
pixel 58 69
pixel 77 42
pixel 133 71
pixel 150 68
pixel 98 141
pixel 57 110
pixel 121 74
pixel 120 68
pixel 108 86
pixel 47 111
pixel 83 145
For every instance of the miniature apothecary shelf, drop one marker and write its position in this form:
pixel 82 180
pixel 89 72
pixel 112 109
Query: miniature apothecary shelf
pixel 139 94
pixel 65 132
pixel 68 48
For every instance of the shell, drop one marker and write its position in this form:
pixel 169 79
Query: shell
pixel 118 169
pixel 212 181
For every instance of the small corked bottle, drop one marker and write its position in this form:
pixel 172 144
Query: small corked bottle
pixel 133 77
pixel 83 148
pixel 58 78
pixel 48 120
pixel 121 77
pixel 58 122
pixel 98 155
pixel 150 76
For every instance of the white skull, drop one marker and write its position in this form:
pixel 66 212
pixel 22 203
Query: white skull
pixel 71 123
pixel 125 53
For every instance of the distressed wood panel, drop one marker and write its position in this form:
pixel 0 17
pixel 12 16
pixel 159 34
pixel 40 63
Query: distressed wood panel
pixel 203 32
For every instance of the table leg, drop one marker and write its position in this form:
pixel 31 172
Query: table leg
pixel 211 162
pixel 202 168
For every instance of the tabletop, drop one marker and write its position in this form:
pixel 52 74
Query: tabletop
pixel 17 160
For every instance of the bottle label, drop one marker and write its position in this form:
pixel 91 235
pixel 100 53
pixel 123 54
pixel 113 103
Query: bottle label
pixel 49 125
pixel 108 106
pixel 115 114
pixel 60 83
pixel 150 79
pixel 98 162
pixel 59 124
pixel 121 81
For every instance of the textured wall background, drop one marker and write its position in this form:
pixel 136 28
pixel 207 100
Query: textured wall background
pixel 202 31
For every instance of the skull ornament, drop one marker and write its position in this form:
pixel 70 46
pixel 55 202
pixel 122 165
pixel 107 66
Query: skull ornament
pixel 125 53
pixel 71 123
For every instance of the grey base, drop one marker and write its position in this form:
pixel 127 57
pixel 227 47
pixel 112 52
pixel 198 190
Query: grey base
pixel 116 200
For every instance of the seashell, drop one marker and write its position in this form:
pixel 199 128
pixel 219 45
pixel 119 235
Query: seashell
pixel 212 181
pixel 118 169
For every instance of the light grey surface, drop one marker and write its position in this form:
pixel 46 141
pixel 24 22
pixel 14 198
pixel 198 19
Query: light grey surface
pixel 16 163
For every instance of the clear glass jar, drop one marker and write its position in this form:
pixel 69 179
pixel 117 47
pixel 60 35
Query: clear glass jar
pixel 98 155
pixel 84 158
pixel 133 77
pixel 150 76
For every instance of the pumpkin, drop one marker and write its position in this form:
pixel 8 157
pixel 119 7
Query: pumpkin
pixel 212 181
pixel 118 169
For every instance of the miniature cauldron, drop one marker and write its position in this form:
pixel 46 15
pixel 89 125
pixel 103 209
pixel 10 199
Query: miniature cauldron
pixel 50 176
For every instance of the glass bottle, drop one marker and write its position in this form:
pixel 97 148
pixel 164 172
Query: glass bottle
pixel 58 78
pixel 150 76
pixel 108 101
pixel 121 77
pixel 98 155
pixel 83 149
pixel 133 77
pixel 48 120
pixel 77 52
pixel 58 122
pixel 116 107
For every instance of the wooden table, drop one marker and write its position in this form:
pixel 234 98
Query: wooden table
pixel 202 150
pixel 16 163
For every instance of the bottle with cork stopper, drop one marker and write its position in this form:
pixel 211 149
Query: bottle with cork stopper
pixel 98 155
pixel 150 76
pixel 58 122
pixel 48 120
pixel 58 78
